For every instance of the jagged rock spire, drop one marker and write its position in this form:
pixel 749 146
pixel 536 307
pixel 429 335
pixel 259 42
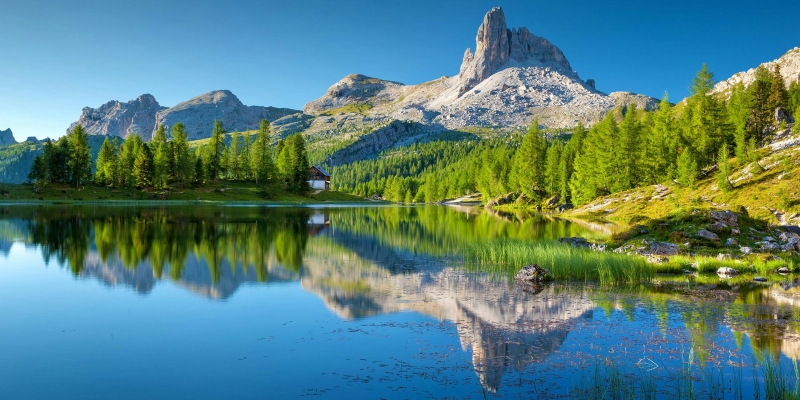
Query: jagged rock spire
pixel 496 46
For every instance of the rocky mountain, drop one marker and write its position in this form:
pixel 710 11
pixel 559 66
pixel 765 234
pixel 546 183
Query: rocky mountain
pixel 199 113
pixel 7 137
pixel 790 70
pixel 121 119
pixel 143 115
pixel 512 78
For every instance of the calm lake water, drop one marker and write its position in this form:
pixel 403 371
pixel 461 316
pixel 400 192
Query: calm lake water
pixel 345 302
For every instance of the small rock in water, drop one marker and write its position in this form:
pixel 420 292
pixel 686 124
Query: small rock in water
pixel 727 271
pixel 760 279
pixel 533 274
pixel 783 270
pixel 654 259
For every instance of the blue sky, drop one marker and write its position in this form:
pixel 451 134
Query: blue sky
pixel 57 57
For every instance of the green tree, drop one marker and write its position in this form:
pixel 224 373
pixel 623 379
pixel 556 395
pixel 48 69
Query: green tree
pixel 161 166
pixel 217 148
pixel 552 168
pixel 80 156
pixel 127 158
pixel 760 114
pixel 723 170
pixel 738 116
pixel 662 145
pixel 528 164
pixel 261 155
pixel 144 167
pixel 708 120
pixel 234 149
pixel 778 95
pixel 106 170
pixel 627 152
pixel 687 168
pixel 38 172
pixel 182 157
pixel 567 163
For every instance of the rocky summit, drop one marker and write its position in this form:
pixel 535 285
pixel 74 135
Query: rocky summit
pixel 121 119
pixel 790 70
pixel 199 113
pixel 144 115
pixel 7 137
pixel 512 78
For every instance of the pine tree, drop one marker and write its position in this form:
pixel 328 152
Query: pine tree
pixel 38 172
pixel 183 164
pixel 724 170
pixel 594 166
pixel 794 97
pixel 778 95
pixel 127 158
pixel 687 168
pixel 261 163
pixel 552 168
pixel 233 156
pixel 760 114
pixel 217 143
pixel 567 163
pixel 299 164
pixel 738 115
pixel 627 152
pixel 528 164
pixel 708 119
pixel 105 172
pixel 161 166
pixel 144 167
pixel 244 158
pixel 662 144
pixel 80 156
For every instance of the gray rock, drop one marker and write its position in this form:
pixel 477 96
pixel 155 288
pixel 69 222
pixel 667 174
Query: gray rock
pixel 591 83
pixel 533 274
pixel 735 232
pixel 768 239
pixel 781 115
pixel 654 259
pixel 7 137
pixel 783 270
pixel 121 119
pixel 578 242
pixel 759 279
pixel 731 242
pixel 199 114
pixel 746 250
pixel 663 249
pixel 789 237
pixel 767 246
pixel 727 271
pixel 717 227
pixel 565 207
pixel 728 218
pixel 723 257
pixel 707 235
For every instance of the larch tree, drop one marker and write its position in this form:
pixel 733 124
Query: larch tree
pixel 528 164
pixel 261 163
pixel 217 147
pixel 80 156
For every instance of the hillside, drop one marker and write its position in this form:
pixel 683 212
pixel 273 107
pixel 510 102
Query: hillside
pixel 772 195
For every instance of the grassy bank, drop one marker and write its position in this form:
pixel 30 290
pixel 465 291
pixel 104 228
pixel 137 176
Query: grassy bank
pixel 506 257
pixel 225 192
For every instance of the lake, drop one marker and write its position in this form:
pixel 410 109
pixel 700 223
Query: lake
pixel 212 302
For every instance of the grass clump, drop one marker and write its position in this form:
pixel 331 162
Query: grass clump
pixel 563 261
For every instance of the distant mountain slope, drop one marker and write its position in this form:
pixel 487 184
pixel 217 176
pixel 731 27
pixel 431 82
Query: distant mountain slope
pixel 143 115
pixel 790 70
pixel 7 137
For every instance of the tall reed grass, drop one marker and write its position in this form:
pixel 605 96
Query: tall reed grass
pixel 563 261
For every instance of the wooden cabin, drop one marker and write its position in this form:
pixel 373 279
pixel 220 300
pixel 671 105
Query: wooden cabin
pixel 319 179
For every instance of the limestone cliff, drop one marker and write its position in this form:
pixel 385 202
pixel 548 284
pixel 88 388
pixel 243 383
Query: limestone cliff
pixel 120 119
pixel 7 137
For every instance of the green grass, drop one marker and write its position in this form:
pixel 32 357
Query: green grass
pixel 563 261
pixel 357 108
pixel 759 264
pixel 222 191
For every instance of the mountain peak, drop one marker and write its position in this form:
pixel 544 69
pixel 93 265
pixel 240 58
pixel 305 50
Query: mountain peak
pixel 6 137
pixel 497 47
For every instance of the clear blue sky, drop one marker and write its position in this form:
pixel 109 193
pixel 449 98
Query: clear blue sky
pixel 57 57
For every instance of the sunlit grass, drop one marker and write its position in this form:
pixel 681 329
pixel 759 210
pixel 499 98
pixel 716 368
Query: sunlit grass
pixel 563 261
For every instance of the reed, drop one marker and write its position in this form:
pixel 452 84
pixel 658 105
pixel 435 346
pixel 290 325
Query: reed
pixel 563 261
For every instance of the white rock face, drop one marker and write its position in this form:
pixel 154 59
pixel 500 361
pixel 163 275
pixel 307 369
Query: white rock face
pixel 7 137
pixel 512 78
pixel 790 70
pixel 120 119
pixel 144 115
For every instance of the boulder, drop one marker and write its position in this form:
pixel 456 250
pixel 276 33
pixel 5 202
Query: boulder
pixel 781 115
pixel 789 237
pixel 707 235
pixel 533 274
pixel 783 270
pixel 717 227
pixel 736 232
pixel 654 259
pixel 663 249
pixel 727 271
pixel 746 250
pixel 565 207
pixel 759 279
pixel 723 257
pixel 501 200
pixel 767 246
pixel 728 218
pixel 731 242
pixel 578 242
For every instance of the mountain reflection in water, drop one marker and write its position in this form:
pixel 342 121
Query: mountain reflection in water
pixel 365 262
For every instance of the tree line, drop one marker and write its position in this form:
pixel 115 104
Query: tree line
pixel 628 148
pixel 169 161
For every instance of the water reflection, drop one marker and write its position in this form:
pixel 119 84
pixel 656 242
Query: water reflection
pixel 371 261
